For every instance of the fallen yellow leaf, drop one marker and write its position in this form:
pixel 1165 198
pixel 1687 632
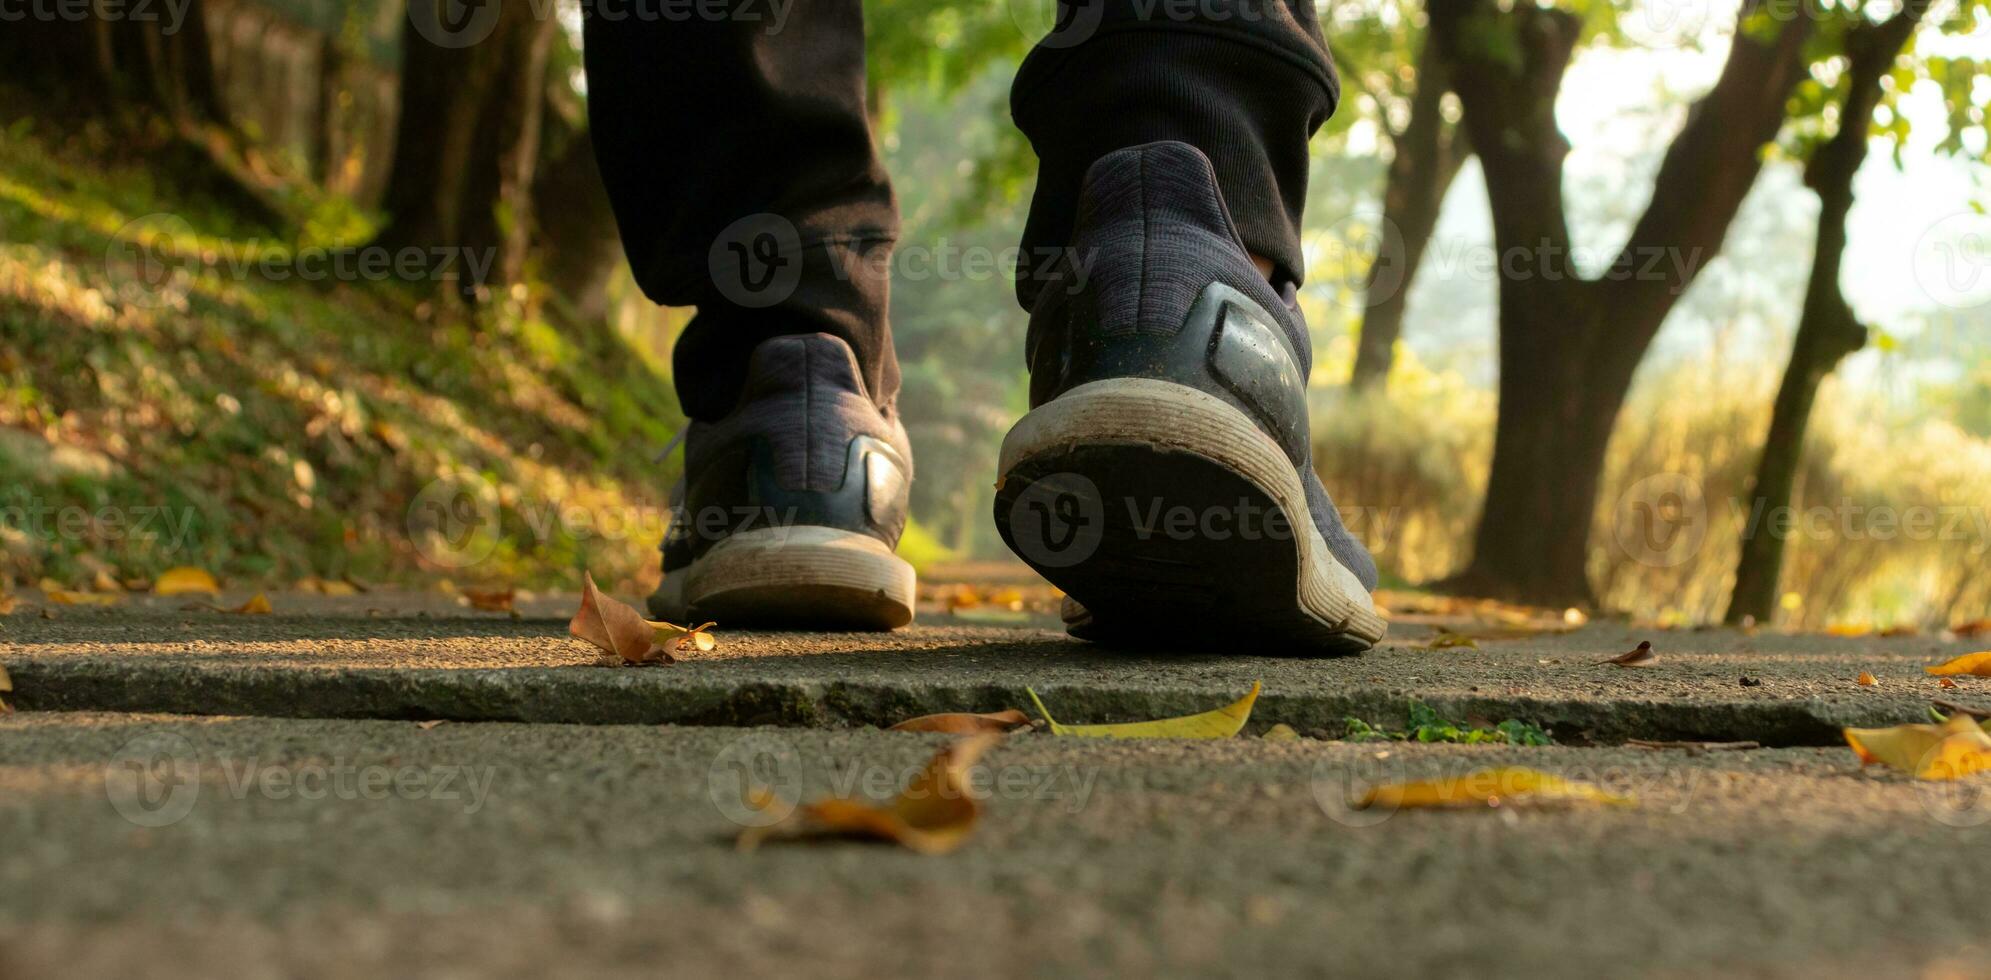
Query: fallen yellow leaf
pixel 1448 640
pixel 1281 732
pixel 258 605
pixel 616 627
pixel 965 724
pixel 1867 679
pixel 1487 787
pixel 1951 750
pixel 1847 629
pixel 64 597
pixel 934 815
pixel 104 581
pixel 1222 722
pixel 185 579
pixel 1975 664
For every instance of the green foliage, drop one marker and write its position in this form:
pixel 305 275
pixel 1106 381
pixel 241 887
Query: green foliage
pixel 1425 724
pixel 286 427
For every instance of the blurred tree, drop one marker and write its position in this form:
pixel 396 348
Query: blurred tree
pixel 1568 344
pixel 1828 331
pixel 127 57
pixel 468 139
pixel 573 225
pixel 1376 54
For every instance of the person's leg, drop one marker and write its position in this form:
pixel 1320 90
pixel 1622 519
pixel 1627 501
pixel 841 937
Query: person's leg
pixel 738 156
pixel 1164 473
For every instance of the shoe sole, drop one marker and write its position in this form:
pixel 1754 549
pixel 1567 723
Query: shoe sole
pixel 795 577
pixel 1088 489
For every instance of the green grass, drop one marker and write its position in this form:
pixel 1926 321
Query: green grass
pixel 1425 724
pixel 191 411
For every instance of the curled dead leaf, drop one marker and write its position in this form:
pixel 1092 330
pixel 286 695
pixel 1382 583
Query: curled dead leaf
pixel 678 639
pixel 933 815
pixel 963 723
pixel 1640 657
pixel 616 627
pixel 1867 679
pixel 1489 788
pixel 185 579
pixel 1973 664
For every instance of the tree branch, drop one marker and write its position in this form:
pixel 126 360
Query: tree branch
pixel 1709 168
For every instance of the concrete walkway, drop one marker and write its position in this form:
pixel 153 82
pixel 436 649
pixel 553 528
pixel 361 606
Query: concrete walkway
pixel 197 794
pixel 547 851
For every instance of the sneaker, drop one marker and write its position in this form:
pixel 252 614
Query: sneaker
pixel 792 504
pixel 1163 478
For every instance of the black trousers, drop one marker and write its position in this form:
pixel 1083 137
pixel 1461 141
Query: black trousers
pixel 737 151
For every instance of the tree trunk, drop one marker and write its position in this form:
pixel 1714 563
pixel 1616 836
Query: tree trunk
pixel 326 145
pixel 466 141
pixel 579 245
pixel 113 60
pixel 1827 330
pixel 1569 346
pixel 1428 155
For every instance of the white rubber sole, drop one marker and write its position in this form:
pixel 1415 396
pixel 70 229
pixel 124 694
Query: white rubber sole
pixel 1183 446
pixel 805 577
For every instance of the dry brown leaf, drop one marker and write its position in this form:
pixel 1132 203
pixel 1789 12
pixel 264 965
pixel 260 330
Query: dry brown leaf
pixel 1867 679
pixel 962 723
pixel 1975 627
pixel 616 627
pixel 1975 664
pixel 490 600
pixel 6 687
pixel 1447 640
pixel 185 579
pixel 934 815
pixel 428 725
pixel 678 639
pixel 1945 683
pixel 1640 657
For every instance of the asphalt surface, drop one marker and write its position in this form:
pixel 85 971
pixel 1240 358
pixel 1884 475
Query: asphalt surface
pixel 552 851
pixel 419 656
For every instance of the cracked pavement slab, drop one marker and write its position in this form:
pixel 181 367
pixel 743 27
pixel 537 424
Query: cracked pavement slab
pixel 412 656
